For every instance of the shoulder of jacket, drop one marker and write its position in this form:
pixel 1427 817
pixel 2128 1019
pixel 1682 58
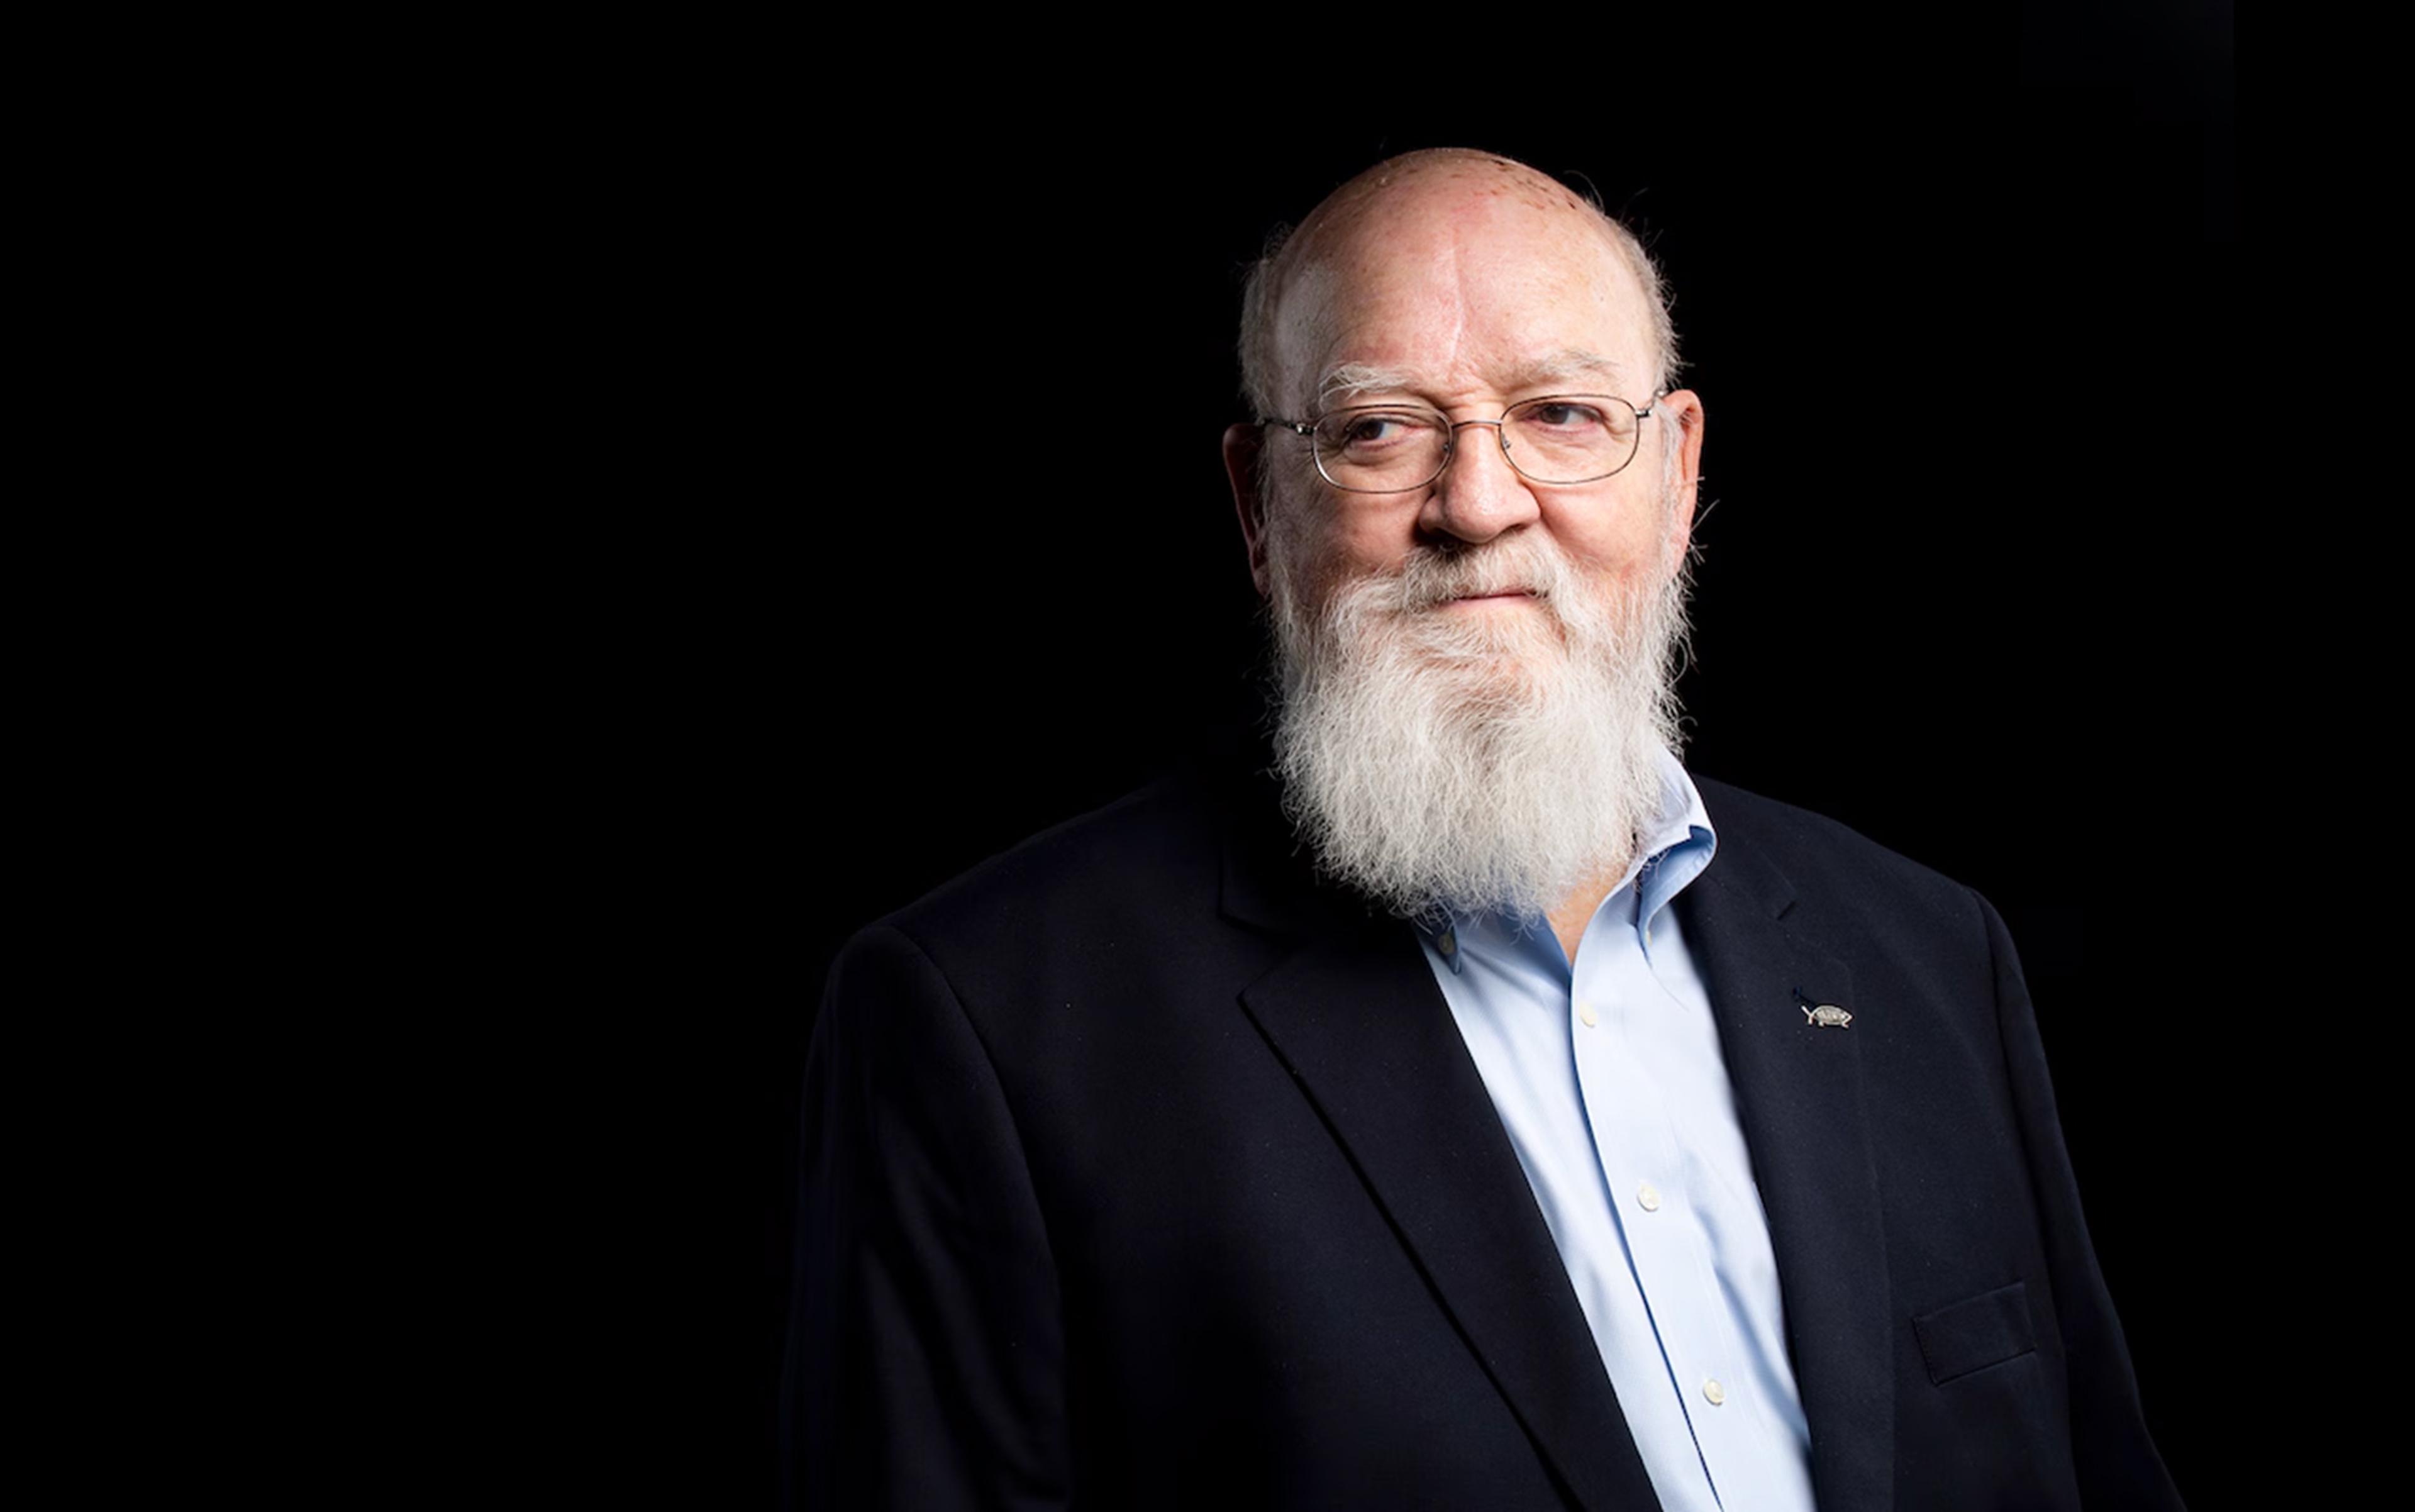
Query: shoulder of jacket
pixel 1830 863
pixel 1160 841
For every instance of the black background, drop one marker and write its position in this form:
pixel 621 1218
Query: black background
pixel 1957 331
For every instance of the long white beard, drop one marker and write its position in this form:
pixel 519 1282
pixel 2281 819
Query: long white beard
pixel 1498 759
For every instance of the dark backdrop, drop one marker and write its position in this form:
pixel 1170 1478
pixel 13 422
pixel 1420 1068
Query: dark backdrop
pixel 1953 339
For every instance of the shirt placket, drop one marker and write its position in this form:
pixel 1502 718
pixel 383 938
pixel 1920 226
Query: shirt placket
pixel 1645 1172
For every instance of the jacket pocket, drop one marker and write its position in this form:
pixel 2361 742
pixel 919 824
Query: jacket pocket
pixel 1987 1329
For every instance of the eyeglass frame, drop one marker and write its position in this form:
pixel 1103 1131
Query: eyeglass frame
pixel 1450 440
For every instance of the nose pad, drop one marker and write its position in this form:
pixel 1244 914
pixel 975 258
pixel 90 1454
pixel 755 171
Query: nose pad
pixel 1477 498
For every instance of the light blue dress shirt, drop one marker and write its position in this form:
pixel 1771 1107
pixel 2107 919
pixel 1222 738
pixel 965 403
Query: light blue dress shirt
pixel 1609 1081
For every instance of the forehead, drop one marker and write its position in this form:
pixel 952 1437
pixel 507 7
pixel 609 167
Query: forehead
pixel 1464 286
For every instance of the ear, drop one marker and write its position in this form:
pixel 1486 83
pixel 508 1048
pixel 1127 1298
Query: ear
pixel 1242 445
pixel 1681 423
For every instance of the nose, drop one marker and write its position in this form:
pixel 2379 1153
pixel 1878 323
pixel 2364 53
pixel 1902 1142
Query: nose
pixel 1479 495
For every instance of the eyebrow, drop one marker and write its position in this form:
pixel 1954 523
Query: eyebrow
pixel 1349 380
pixel 1346 380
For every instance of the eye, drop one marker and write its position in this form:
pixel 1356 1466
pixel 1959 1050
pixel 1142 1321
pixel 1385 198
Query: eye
pixel 1566 416
pixel 1368 432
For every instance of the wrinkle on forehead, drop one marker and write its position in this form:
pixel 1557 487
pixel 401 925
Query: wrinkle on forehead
pixel 1405 209
pixel 1329 299
pixel 1341 382
pixel 1443 286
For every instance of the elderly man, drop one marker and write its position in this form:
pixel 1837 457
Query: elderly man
pixel 1457 1105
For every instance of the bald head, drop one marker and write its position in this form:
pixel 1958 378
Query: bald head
pixel 1407 207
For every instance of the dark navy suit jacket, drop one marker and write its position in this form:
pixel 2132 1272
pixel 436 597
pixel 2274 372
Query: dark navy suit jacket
pixel 1144 1170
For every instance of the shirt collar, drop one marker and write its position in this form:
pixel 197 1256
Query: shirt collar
pixel 1678 843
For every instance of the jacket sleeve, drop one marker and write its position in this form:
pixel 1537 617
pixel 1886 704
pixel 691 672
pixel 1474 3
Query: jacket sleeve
pixel 925 1358
pixel 2117 1463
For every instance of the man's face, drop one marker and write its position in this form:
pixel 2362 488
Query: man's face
pixel 1465 293
pixel 1475 674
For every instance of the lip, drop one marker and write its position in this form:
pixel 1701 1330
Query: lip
pixel 1515 595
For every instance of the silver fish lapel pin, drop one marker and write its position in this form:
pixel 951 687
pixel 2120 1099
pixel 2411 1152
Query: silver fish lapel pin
pixel 1827 1016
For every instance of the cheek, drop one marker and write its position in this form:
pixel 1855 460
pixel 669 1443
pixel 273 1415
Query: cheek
pixel 1366 541
pixel 1324 545
pixel 1642 537
pixel 1624 552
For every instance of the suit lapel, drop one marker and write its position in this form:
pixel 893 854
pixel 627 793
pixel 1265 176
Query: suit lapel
pixel 1354 1013
pixel 1798 1089
pixel 1358 1020
pixel 1352 1009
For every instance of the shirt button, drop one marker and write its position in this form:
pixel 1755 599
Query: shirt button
pixel 1649 1195
pixel 1448 942
pixel 1586 1015
pixel 1716 1392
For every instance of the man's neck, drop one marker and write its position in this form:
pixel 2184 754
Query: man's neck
pixel 1575 911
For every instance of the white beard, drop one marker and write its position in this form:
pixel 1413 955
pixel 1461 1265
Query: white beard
pixel 1497 759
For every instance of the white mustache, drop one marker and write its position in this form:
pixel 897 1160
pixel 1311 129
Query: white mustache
pixel 1429 577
